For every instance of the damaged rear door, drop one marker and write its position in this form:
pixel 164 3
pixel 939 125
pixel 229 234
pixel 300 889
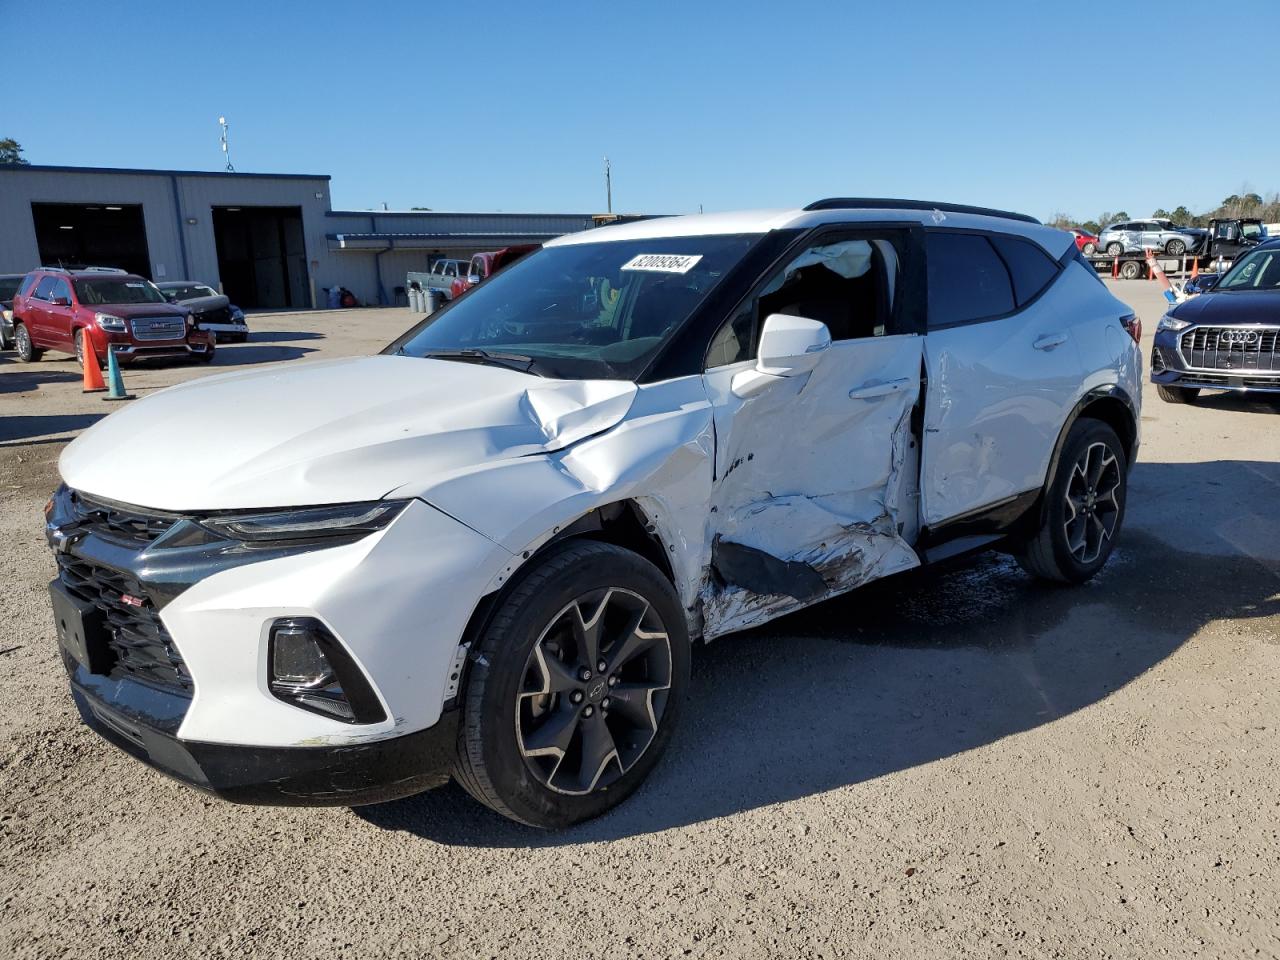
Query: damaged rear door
pixel 816 474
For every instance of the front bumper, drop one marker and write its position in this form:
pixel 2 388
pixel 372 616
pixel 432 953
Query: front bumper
pixel 1170 367
pixel 142 721
pixel 126 348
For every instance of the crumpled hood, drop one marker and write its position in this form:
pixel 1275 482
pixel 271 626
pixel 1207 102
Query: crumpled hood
pixel 331 431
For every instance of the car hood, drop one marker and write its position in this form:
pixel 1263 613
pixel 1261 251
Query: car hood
pixel 332 431
pixel 130 310
pixel 200 304
pixel 1261 306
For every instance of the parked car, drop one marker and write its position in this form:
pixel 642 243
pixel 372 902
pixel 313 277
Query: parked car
pixel 54 307
pixel 1162 235
pixel 489 548
pixel 444 273
pixel 8 287
pixel 1232 236
pixel 485 265
pixel 1086 242
pixel 210 309
pixel 1226 338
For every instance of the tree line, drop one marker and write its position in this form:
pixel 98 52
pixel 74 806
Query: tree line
pixel 1266 209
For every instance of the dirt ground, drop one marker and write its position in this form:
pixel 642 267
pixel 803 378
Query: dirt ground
pixel 962 763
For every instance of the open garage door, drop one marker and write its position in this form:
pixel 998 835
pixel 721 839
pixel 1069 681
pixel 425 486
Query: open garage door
pixel 94 235
pixel 262 259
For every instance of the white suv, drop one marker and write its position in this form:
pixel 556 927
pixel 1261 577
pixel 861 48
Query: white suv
pixel 489 548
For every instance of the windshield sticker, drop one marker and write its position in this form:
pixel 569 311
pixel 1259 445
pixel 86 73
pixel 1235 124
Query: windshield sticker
pixel 663 262
pixel 136 286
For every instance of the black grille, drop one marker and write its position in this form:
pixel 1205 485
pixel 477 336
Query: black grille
pixel 216 315
pixel 120 523
pixel 1232 348
pixel 138 640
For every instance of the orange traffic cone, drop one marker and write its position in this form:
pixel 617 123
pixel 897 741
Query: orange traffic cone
pixel 92 372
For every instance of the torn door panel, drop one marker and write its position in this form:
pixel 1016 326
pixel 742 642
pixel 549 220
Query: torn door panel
pixel 751 583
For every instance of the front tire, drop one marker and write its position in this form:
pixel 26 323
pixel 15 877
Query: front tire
pixel 27 351
pixel 1115 249
pixel 1178 394
pixel 575 686
pixel 1083 508
pixel 1175 248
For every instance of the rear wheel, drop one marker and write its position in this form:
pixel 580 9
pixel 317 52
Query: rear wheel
pixel 1089 249
pixel 27 351
pixel 1083 507
pixel 575 688
pixel 1178 394
pixel 1131 270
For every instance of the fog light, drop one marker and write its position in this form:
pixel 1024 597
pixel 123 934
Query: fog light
pixel 310 669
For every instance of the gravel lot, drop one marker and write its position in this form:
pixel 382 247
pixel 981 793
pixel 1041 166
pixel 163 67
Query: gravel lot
pixel 954 764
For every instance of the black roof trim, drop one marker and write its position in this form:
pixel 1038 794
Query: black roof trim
pixel 884 203
pixel 133 171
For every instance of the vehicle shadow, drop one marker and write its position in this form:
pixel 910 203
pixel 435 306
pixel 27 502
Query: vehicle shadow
pixel 281 336
pixel 22 381
pixel 34 428
pixel 1240 402
pixel 907 671
pixel 238 355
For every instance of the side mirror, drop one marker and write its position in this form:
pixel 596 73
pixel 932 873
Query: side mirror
pixel 61 302
pixel 789 347
pixel 474 278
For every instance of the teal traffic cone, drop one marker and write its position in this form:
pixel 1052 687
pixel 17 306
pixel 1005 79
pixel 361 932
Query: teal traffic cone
pixel 115 382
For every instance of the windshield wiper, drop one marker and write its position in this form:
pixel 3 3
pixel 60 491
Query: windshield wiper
pixel 512 361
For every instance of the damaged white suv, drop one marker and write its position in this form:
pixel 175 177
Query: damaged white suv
pixel 489 549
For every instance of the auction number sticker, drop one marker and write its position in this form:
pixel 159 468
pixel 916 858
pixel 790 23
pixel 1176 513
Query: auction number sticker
pixel 663 262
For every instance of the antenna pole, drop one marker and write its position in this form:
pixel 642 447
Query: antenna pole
pixel 608 186
pixel 226 149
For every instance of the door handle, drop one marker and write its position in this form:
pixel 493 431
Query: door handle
pixel 878 388
pixel 1050 341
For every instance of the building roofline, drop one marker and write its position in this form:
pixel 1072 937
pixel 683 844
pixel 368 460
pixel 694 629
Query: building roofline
pixel 137 171
pixel 447 213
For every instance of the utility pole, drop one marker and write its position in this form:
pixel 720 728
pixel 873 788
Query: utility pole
pixel 608 186
pixel 222 122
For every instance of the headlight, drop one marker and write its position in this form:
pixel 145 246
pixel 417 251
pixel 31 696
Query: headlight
pixel 347 521
pixel 111 324
pixel 1171 324
pixel 237 315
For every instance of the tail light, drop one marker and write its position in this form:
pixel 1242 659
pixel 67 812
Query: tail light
pixel 1132 326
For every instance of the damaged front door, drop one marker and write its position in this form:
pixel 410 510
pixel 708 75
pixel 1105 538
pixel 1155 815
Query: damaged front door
pixel 815 471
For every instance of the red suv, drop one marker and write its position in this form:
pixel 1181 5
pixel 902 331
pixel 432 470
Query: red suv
pixel 53 308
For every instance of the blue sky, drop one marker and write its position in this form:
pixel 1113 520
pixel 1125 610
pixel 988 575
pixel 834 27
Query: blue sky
pixel 511 106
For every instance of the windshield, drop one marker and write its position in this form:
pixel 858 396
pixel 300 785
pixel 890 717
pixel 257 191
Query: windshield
pixel 117 290
pixel 1259 270
pixel 8 287
pixel 1251 230
pixel 583 311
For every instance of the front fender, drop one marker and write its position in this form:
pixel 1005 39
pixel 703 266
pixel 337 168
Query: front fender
pixel 661 457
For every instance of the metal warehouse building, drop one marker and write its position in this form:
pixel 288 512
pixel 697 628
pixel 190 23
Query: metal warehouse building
pixel 265 240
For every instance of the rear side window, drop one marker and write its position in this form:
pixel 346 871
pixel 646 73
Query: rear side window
pixel 967 279
pixel 1031 268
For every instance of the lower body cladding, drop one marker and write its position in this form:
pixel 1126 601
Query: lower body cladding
pixel 1241 359
pixel 203 710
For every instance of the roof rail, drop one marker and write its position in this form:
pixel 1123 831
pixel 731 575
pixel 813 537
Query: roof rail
pixel 883 203
pixel 75 269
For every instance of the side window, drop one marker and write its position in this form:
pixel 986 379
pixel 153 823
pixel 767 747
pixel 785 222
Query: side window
pixel 847 284
pixel 1031 268
pixel 967 280
pixel 44 288
pixel 60 289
